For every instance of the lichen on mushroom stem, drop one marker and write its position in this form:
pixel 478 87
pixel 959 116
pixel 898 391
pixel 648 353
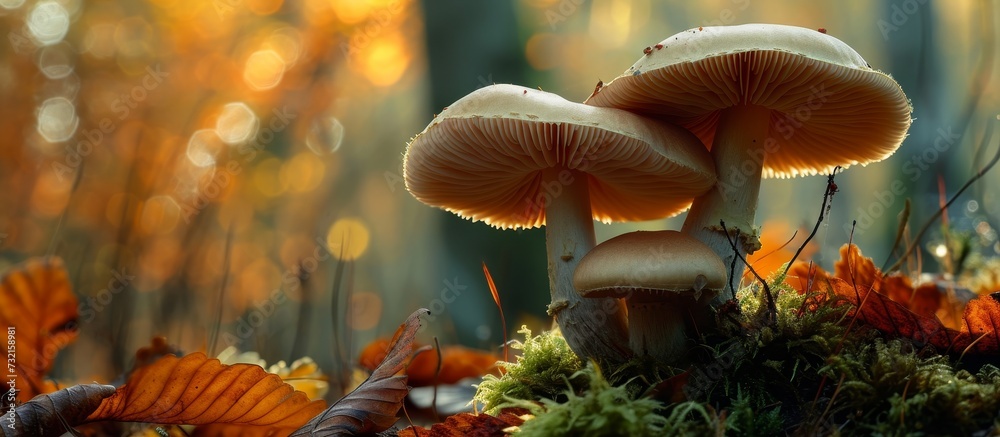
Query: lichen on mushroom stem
pixel 593 328
pixel 739 151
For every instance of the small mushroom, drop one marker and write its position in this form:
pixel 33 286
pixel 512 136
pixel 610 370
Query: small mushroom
pixel 516 157
pixel 663 276
pixel 771 100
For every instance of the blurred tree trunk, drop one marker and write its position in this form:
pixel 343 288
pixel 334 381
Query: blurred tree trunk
pixel 471 45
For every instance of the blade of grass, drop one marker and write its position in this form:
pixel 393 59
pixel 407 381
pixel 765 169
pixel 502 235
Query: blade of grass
pixel 496 299
pixel 214 335
pixel 302 324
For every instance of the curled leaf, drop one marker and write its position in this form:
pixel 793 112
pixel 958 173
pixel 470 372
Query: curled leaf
pixel 51 414
pixel 374 405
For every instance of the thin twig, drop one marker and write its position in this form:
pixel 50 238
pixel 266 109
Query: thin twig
pixel 831 189
pixel 982 171
pixel 772 316
pixel 437 374
pixel 775 250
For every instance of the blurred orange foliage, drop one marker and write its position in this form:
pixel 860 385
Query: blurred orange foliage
pixel 40 313
pixel 457 362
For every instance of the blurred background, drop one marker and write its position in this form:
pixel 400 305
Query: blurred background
pixel 229 172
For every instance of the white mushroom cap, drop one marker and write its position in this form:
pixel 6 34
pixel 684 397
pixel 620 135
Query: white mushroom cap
pixel 829 107
pixel 484 157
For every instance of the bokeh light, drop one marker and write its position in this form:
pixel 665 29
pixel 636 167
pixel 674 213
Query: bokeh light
pixel 56 61
pixel 302 173
pixel 204 147
pixel 348 239
pixel 11 4
pixel 57 120
pixel 364 310
pixel 264 70
pixel 325 135
pixel 385 60
pixel 236 124
pixel 48 22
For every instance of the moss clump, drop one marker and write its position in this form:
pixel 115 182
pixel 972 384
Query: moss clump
pixel 808 369
pixel 889 389
pixel 828 372
pixel 602 410
pixel 542 371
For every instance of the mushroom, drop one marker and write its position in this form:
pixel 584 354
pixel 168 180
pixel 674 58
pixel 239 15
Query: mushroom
pixel 515 157
pixel 771 100
pixel 663 276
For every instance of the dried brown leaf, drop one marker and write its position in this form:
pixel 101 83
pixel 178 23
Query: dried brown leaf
pixel 51 414
pixel 374 405
pixel 467 425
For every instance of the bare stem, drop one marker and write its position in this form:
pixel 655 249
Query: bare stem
pixel 593 328
pixel 739 150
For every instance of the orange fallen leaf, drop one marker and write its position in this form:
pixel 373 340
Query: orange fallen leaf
pixel 373 406
pixel 198 390
pixel 468 425
pixel 457 363
pixel 40 312
pixel 857 282
pixel 777 246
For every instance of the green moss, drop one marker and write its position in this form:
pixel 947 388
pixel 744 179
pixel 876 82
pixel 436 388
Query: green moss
pixel 541 371
pixel 889 389
pixel 809 369
pixel 829 374
pixel 602 410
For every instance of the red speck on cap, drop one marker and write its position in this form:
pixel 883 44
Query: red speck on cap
pixel 647 51
pixel 658 46
pixel 822 30
pixel 525 92
pixel 701 28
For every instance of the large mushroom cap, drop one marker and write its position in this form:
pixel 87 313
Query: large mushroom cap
pixel 658 264
pixel 829 107
pixel 484 158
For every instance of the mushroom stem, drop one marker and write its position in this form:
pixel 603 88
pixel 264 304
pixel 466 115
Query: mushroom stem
pixel 593 328
pixel 656 329
pixel 738 150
